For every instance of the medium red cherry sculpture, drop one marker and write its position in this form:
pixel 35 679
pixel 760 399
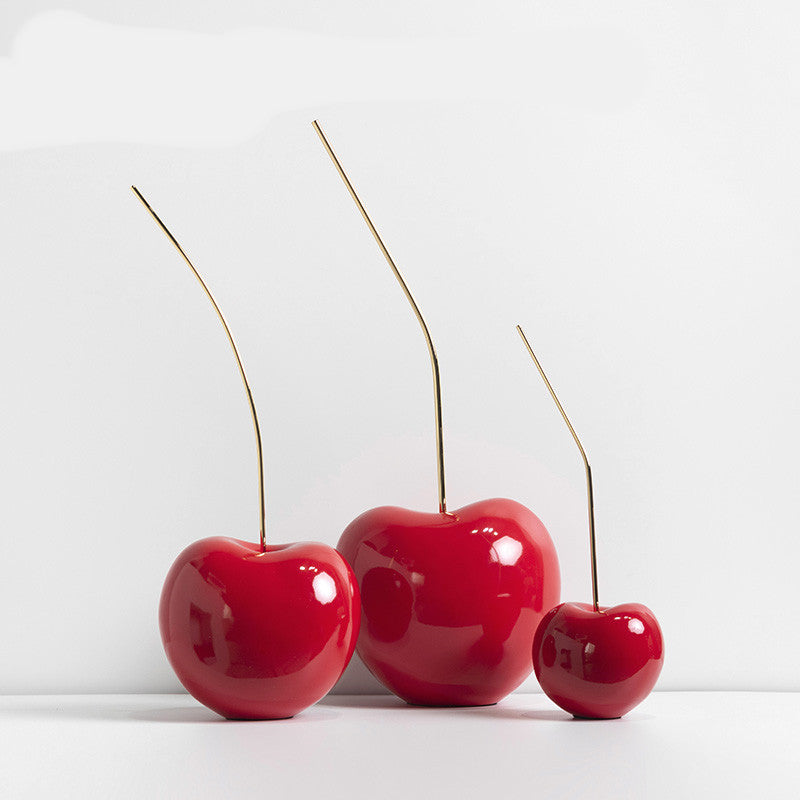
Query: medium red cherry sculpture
pixel 258 634
pixel 257 631
pixel 450 602
pixel 598 663
pixel 593 661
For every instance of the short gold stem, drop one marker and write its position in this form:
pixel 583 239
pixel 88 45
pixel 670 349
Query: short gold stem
pixel 589 489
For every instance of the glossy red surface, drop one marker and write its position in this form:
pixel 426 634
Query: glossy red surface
pixel 598 664
pixel 257 635
pixel 450 602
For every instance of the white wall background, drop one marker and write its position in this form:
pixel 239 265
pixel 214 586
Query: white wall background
pixel 621 178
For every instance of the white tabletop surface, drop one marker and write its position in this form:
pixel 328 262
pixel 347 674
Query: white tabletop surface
pixel 675 745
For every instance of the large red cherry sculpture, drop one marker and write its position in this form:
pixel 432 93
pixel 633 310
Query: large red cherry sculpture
pixel 598 663
pixel 257 631
pixel 594 661
pixel 258 634
pixel 450 602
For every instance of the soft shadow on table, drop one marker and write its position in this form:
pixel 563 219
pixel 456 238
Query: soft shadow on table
pixel 552 715
pixel 548 715
pixel 122 712
pixel 390 702
pixel 376 701
pixel 499 711
pixel 384 702
pixel 195 715
pixel 106 712
pixel 541 714
pixel 202 715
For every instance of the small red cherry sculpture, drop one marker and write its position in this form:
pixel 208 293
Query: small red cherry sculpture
pixel 598 663
pixel 593 661
pixel 450 602
pixel 257 631
pixel 258 634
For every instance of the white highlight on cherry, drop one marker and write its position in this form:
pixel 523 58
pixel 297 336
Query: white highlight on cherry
pixel 324 588
pixel 635 626
pixel 506 551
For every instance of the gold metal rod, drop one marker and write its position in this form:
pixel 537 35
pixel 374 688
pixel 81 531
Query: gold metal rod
pixel 437 388
pixel 262 530
pixel 589 490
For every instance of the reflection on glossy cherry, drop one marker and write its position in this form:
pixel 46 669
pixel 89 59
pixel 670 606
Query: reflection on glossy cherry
pixel 598 664
pixel 259 635
pixel 450 602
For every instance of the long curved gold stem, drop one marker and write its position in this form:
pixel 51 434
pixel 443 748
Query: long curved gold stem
pixel 262 531
pixel 589 490
pixel 437 389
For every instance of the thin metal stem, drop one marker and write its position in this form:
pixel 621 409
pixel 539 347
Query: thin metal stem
pixel 437 389
pixel 262 530
pixel 589 490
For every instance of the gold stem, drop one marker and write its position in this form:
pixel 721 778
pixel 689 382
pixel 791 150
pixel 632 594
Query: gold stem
pixel 437 389
pixel 589 490
pixel 262 531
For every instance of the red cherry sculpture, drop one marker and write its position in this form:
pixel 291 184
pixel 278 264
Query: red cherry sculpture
pixel 257 631
pixel 450 602
pixel 258 634
pixel 594 661
pixel 598 663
